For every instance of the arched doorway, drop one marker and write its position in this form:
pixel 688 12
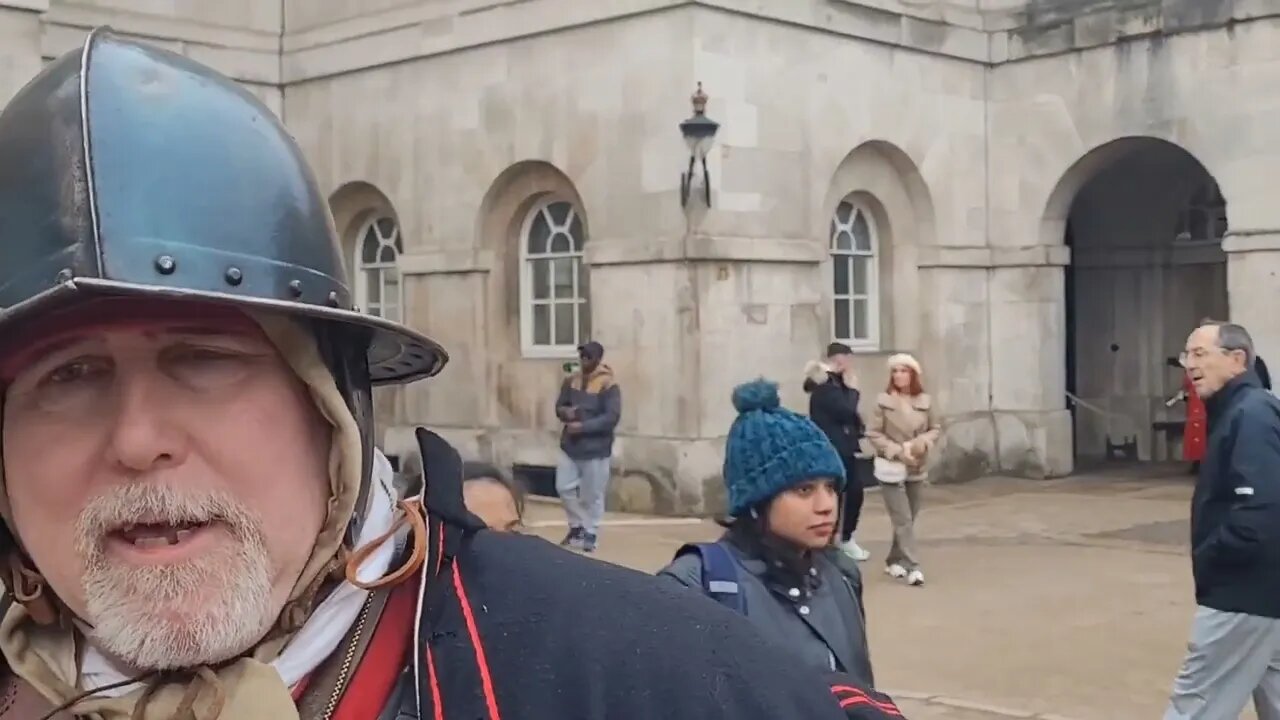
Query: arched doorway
pixel 1144 220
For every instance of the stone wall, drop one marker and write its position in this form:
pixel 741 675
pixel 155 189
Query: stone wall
pixel 966 127
pixel 19 45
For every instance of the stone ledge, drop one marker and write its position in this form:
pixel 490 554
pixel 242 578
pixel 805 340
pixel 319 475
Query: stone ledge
pixel 443 262
pixel 881 21
pixel 32 5
pixel 1176 254
pixel 1105 24
pixel 421 31
pixel 986 256
pixel 160 26
pixel 704 248
pixel 243 55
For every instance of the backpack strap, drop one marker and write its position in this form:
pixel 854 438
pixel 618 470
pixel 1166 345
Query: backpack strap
pixel 719 574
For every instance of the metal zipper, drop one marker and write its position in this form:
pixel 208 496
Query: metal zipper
pixel 345 671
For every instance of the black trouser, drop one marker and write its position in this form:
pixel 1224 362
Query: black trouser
pixel 853 496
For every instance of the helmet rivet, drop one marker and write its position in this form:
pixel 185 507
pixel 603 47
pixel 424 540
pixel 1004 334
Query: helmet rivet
pixel 234 276
pixel 295 288
pixel 333 298
pixel 166 264
pixel 64 276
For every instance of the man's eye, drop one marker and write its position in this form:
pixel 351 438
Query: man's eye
pixel 197 354
pixel 73 371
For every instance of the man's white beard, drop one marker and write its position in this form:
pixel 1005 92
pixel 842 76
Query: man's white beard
pixel 197 612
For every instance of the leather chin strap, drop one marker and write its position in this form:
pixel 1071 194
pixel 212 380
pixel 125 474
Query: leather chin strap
pixel 412 516
pixel 29 588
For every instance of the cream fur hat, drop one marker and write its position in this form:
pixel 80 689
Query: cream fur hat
pixel 905 360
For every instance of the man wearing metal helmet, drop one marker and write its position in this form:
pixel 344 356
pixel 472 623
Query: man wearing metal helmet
pixel 196 524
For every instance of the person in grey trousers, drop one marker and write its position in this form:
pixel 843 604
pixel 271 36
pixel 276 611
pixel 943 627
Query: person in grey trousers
pixel 589 405
pixel 1234 651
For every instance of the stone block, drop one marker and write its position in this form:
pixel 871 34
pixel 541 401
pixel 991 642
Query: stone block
pixel 1034 444
pixel 966 449
pixel 1253 277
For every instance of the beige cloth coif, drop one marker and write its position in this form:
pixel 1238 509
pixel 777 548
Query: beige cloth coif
pixel 46 656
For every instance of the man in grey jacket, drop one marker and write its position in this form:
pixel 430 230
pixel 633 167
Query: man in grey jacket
pixel 589 405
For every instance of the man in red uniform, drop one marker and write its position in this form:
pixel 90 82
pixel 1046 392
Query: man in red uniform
pixel 194 519
pixel 1194 433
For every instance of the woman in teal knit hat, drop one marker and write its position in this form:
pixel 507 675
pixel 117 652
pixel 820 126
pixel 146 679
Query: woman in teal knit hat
pixel 775 562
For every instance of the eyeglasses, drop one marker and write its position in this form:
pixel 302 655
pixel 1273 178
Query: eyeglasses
pixel 1200 354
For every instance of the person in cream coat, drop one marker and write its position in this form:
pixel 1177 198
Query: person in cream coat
pixel 903 429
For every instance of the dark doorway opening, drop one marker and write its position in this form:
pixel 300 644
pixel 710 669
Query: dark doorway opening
pixel 1145 231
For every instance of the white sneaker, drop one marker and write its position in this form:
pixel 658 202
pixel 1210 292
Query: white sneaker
pixel 915 577
pixel 896 571
pixel 853 550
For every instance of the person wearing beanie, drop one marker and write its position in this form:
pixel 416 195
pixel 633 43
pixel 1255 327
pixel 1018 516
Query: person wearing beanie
pixel 903 430
pixel 783 478
pixel 833 406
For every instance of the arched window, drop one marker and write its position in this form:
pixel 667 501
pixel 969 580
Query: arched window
pixel 553 281
pixel 377 278
pixel 855 312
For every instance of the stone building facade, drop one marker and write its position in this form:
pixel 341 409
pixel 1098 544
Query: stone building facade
pixel 1037 197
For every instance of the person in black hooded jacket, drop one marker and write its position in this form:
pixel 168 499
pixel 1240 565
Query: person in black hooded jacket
pixel 833 407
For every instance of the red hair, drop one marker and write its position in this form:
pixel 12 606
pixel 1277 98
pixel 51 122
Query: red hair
pixel 914 388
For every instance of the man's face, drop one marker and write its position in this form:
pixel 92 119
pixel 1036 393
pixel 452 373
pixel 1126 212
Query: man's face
pixel 589 363
pixel 1209 366
pixel 839 362
pixel 169 481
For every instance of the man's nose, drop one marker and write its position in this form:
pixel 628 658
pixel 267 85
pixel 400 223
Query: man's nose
pixel 144 437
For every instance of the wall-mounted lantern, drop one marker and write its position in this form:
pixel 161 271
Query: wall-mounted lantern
pixel 699 134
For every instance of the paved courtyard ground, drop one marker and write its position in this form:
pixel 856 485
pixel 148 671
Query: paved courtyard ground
pixel 1055 599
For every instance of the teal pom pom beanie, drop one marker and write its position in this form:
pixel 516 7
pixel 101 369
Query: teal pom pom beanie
pixel 771 449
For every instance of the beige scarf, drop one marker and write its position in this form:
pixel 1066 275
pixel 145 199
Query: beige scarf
pixel 46 656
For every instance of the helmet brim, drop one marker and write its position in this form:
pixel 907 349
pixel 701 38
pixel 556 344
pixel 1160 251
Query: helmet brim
pixel 397 354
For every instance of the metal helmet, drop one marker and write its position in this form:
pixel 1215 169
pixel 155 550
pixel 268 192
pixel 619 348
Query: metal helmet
pixel 128 170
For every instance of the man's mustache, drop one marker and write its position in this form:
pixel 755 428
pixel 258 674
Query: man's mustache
pixel 159 504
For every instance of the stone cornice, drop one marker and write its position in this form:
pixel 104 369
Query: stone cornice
pixel 720 248
pixel 950 28
pixel 1201 253
pixel 428 29
pixel 705 248
pixel 446 262
pixel 247 55
pixel 31 5
pixel 985 256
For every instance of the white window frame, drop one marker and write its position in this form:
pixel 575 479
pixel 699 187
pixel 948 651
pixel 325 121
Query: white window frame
pixel 527 301
pixel 362 268
pixel 872 294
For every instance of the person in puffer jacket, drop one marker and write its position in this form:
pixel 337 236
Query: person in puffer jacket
pixel 833 407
